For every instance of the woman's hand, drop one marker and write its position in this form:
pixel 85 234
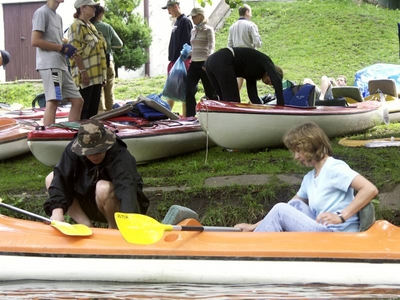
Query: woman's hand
pixel 327 218
pixel 85 78
pixel 246 227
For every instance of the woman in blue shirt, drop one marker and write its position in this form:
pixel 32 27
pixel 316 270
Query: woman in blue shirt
pixel 325 201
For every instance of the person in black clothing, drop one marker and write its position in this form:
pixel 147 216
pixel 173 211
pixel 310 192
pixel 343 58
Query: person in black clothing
pixel 180 35
pixel 95 177
pixel 225 65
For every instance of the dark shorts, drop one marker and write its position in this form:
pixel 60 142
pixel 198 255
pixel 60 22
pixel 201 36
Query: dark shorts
pixel 89 206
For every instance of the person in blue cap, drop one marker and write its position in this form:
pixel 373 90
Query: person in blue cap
pixel 4 58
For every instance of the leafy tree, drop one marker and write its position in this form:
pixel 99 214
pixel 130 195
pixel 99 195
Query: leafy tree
pixel 133 31
pixel 231 3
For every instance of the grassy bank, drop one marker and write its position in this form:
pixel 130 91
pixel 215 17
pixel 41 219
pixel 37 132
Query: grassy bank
pixel 307 39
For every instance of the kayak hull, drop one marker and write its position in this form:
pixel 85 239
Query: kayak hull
pixel 32 250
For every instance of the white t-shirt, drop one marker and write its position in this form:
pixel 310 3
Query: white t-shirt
pixel 244 33
pixel 49 22
pixel 331 191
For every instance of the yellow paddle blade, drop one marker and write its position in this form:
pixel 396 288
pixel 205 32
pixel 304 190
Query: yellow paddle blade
pixel 69 229
pixel 140 229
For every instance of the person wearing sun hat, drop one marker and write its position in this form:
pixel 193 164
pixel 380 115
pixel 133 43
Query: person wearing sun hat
pixel 203 45
pixel 89 68
pixel 95 177
pixel 80 3
pixel 4 58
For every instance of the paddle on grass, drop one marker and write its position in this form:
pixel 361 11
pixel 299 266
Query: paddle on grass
pixel 66 228
pixel 141 229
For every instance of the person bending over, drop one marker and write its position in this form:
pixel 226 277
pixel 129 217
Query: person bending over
pixel 225 65
pixel 95 177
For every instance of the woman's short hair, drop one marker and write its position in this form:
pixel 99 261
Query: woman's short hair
pixel 279 71
pixel 98 10
pixel 310 140
pixel 242 10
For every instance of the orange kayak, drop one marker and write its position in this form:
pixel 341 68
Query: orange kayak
pixel 33 250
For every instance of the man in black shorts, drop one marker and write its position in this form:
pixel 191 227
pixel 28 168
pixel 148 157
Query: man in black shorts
pixel 95 177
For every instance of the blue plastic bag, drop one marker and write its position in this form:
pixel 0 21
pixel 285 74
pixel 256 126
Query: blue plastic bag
pixel 175 86
pixel 376 71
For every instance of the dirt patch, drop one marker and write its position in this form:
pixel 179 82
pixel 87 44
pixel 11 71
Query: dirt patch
pixel 258 179
pixel 231 197
pixel 388 200
pixel 223 198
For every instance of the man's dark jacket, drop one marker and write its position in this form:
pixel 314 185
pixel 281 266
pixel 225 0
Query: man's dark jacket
pixel 76 174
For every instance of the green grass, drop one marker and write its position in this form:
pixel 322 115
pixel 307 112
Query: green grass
pixel 307 39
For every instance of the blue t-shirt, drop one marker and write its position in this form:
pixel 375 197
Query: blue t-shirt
pixel 331 192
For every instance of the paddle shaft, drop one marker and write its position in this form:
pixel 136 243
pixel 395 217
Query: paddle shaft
pixel 46 220
pixel 205 228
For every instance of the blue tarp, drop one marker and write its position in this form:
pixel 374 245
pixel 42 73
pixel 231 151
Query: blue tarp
pixel 376 71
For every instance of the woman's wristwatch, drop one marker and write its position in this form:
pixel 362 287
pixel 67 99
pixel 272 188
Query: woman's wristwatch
pixel 341 217
pixel 81 71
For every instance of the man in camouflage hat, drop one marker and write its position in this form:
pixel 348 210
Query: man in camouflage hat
pixel 95 177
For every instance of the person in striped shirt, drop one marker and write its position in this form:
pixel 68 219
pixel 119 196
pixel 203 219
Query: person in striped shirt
pixel 203 44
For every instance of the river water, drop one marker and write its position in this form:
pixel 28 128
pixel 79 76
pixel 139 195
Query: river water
pixel 44 290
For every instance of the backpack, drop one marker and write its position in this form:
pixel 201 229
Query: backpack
pixel 40 100
pixel 300 95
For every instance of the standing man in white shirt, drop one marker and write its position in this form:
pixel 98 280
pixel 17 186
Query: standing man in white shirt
pixel 244 33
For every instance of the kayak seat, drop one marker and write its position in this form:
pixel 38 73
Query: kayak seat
pixel 177 213
pixel 386 86
pixel 115 112
pixel 367 216
pixel 352 94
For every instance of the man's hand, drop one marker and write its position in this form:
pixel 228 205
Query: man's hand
pixel 68 50
pixel 58 215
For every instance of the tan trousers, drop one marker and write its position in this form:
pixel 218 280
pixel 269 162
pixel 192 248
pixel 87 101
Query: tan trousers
pixel 107 93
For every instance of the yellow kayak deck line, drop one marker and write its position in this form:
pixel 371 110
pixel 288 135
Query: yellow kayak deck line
pixel 372 143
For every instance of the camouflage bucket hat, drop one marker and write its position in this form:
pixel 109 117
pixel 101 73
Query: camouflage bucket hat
pixel 93 138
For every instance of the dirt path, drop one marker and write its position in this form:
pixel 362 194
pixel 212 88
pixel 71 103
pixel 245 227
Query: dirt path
pixel 388 200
